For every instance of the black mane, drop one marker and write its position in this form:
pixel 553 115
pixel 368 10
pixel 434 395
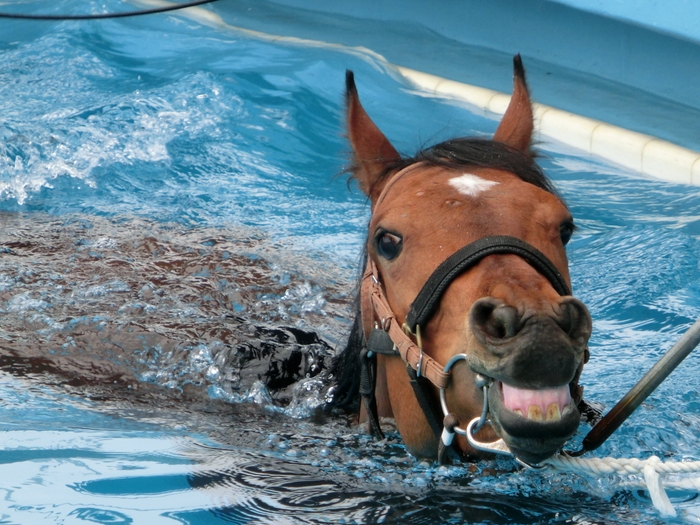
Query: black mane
pixel 458 153
pixel 464 152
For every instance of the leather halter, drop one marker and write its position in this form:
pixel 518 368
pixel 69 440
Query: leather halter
pixel 375 307
pixel 379 320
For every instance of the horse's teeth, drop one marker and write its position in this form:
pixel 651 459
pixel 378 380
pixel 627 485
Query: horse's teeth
pixel 534 412
pixel 518 411
pixel 553 413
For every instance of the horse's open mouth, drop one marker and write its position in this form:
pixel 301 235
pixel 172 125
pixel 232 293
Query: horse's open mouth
pixel 533 423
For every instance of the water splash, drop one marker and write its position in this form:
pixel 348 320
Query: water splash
pixel 162 300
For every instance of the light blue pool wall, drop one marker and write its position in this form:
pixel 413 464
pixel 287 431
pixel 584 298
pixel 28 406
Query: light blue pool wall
pixel 675 17
pixel 633 64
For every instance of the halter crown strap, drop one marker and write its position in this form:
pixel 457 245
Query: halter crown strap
pixel 427 300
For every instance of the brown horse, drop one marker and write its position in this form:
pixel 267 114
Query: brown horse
pixel 466 291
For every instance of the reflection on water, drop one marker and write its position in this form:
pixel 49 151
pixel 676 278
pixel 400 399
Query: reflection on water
pixel 324 477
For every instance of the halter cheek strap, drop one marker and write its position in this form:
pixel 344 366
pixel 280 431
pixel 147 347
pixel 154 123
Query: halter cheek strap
pixel 384 335
pixel 376 311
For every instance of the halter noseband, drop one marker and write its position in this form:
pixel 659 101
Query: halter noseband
pixel 427 300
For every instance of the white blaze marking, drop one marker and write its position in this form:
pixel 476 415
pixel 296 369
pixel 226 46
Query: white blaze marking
pixel 471 185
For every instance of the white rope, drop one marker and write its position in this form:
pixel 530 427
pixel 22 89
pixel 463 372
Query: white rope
pixel 653 474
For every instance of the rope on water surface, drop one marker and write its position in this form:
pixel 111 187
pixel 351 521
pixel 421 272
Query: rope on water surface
pixel 101 16
pixel 651 470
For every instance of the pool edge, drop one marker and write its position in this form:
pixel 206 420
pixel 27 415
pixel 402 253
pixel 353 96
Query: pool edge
pixel 643 154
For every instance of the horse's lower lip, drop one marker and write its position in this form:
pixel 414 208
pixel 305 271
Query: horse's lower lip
pixel 531 440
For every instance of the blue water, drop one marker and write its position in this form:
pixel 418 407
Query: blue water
pixel 159 176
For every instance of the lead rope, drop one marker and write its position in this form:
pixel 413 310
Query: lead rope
pixel 652 469
pixel 652 473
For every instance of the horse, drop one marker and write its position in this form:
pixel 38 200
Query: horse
pixel 465 304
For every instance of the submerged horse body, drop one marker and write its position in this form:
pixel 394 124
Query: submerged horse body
pixel 466 285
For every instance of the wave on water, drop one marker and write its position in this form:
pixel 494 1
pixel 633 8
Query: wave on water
pixel 199 312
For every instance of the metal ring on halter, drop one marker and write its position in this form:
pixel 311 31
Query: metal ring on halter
pixel 443 400
pixel 496 447
pixel 484 410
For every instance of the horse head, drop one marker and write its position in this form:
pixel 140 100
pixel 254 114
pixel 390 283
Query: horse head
pixel 512 320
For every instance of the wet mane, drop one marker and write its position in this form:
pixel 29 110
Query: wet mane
pixel 474 152
pixel 457 153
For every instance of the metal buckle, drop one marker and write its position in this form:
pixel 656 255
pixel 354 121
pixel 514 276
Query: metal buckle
pixel 495 447
pixel 420 363
pixel 419 344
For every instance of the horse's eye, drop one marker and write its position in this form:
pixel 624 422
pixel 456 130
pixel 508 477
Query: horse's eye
pixel 566 230
pixel 388 245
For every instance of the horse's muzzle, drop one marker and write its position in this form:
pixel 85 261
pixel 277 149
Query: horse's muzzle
pixel 532 361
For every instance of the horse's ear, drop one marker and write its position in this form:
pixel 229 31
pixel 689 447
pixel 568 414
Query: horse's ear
pixel 372 151
pixel 516 126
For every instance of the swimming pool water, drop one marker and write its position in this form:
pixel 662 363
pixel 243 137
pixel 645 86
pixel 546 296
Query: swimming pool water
pixel 165 186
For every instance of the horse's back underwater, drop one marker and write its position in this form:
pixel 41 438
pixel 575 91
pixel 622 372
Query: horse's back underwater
pixel 466 268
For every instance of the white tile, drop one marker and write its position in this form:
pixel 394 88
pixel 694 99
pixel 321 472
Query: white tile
pixel 619 145
pixel 498 103
pixel 573 130
pixel 668 162
pixel 474 95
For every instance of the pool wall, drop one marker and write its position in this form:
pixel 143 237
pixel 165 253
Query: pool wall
pixel 649 58
pixel 614 87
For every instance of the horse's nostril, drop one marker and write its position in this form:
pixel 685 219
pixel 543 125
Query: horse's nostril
pixel 494 319
pixel 575 320
pixel 506 321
